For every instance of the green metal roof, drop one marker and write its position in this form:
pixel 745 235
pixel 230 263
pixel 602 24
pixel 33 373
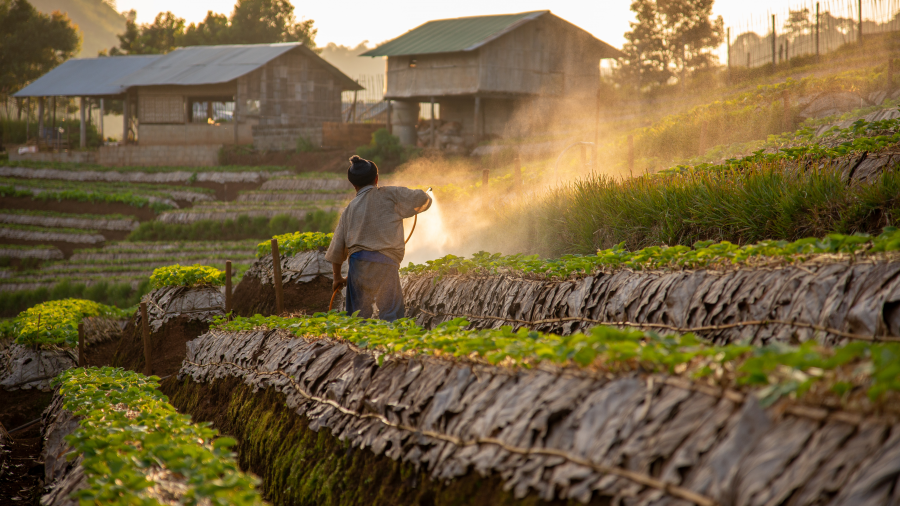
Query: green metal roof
pixel 450 35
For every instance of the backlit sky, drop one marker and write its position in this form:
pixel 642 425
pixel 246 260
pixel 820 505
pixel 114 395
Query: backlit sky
pixel 350 22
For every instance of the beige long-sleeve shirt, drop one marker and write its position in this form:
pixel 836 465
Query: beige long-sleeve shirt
pixel 373 221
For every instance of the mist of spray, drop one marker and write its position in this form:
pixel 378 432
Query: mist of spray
pixel 431 239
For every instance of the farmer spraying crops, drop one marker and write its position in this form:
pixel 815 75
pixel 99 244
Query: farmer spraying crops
pixel 370 232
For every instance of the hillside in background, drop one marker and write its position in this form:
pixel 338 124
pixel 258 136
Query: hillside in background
pixel 98 22
pixel 347 60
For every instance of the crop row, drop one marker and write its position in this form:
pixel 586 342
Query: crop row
pixel 867 367
pixel 291 244
pixel 55 323
pixel 200 257
pixel 104 290
pixel 241 227
pixel 703 254
pixel 175 192
pixel 187 275
pixel 137 449
pixel 41 252
pixel 120 223
pixel 31 233
pixel 320 196
pixel 125 197
pixel 268 170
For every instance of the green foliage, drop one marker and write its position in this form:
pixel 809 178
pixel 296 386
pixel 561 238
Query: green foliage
pixel 194 275
pixel 116 294
pixel 33 43
pixel 702 254
pixel 291 244
pixel 252 22
pixel 670 39
pixel 244 227
pixel 385 147
pixel 56 322
pixel 125 197
pixel 873 366
pixel 128 431
pixel 304 145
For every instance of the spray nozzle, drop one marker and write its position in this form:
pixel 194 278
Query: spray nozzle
pixel 428 190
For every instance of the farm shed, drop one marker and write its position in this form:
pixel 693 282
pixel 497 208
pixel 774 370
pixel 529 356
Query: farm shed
pixel 273 93
pixel 494 75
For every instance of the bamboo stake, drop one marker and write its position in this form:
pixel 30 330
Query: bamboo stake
pixel 227 286
pixel 81 361
pixel 276 274
pixel 145 335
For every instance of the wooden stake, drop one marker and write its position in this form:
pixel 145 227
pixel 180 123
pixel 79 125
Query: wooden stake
pixel 276 274
pixel 81 361
pixel 145 335
pixel 227 286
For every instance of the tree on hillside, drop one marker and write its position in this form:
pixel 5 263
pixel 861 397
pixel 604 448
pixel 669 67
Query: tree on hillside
pixel 159 37
pixel 31 43
pixel 670 39
pixel 252 22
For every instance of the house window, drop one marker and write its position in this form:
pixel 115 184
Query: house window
pixel 412 63
pixel 211 110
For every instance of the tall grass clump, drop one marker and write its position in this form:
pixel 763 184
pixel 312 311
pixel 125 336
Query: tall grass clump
pixel 767 201
pixel 244 227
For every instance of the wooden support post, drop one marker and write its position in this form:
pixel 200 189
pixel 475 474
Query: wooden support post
pixel 477 128
pixel 125 120
pixel 234 119
pixel 517 174
pixel 82 127
pixel 40 117
pixel 433 126
pixel 631 155
pixel 276 275
pixel 27 117
pixel 81 361
pixel 145 336
pixel 817 32
pixel 227 286
pixel 102 113
pixel 859 7
pixel 774 54
pixel 390 125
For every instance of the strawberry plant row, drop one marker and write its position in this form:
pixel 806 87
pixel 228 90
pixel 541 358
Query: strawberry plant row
pixel 704 254
pixel 55 323
pixel 137 449
pixel 187 275
pixel 778 370
pixel 291 244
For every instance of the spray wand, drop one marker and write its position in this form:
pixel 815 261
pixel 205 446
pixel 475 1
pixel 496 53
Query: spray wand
pixel 413 229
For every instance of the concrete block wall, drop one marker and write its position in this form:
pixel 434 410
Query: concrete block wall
pixel 284 138
pixel 206 155
pixel 65 156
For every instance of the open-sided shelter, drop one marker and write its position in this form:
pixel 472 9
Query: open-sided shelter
pixel 267 94
pixel 488 72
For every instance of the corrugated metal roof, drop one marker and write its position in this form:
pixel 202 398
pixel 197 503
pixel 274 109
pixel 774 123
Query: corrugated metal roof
pixel 450 35
pixel 87 77
pixel 219 64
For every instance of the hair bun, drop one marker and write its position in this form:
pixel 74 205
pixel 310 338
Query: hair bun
pixel 355 159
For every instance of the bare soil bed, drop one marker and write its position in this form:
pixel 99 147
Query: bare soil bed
pixel 251 297
pixel 168 345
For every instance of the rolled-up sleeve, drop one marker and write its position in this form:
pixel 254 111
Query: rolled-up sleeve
pixel 337 250
pixel 407 201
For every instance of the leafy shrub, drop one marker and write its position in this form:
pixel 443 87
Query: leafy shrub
pixel 244 227
pixel 304 145
pixel 385 147
pixel 128 431
pixel 194 275
pixel 291 244
pixel 56 322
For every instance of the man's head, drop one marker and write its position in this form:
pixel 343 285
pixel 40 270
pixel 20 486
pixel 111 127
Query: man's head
pixel 362 172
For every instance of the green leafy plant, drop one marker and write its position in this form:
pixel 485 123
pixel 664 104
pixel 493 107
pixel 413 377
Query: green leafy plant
pixel 242 227
pixel 385 147
pixel 183 275
pixel 56 322
pixel 869 367
pixel 130 436
pixel 702 254
pixel 291 244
